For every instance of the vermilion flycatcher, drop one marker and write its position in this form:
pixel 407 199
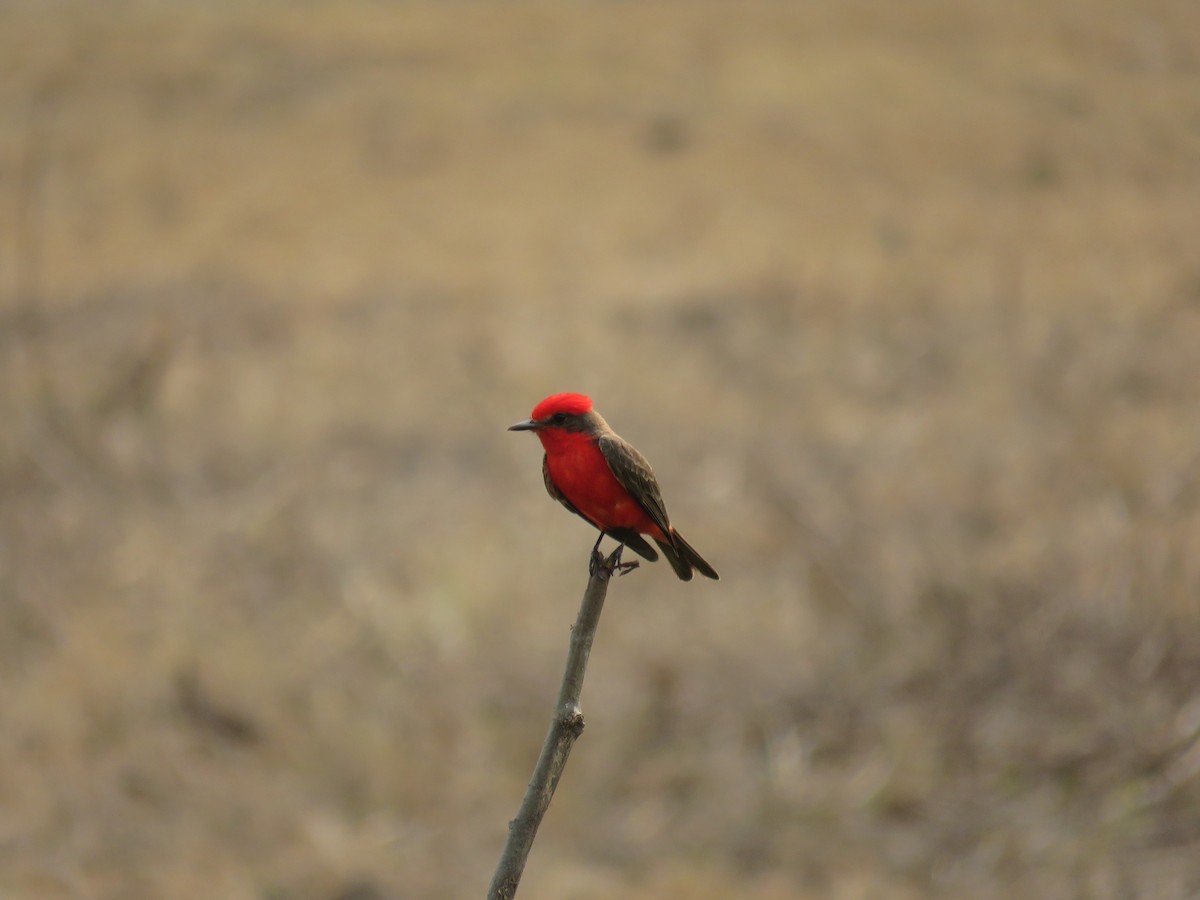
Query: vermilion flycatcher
pixel 595 474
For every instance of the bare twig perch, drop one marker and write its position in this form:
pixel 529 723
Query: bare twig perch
pixel 565 727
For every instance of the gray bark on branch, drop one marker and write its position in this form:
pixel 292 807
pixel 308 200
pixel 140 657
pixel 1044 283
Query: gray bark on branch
pixel 565 727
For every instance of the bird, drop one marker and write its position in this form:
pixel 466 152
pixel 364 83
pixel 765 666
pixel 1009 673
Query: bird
pixel 604 480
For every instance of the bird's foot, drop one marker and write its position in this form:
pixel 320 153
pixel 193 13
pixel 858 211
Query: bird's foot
pixel 610 565
pixel 615 564
pixel 596 563
pixel 596 560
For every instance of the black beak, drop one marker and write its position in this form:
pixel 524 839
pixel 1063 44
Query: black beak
pixel 526 425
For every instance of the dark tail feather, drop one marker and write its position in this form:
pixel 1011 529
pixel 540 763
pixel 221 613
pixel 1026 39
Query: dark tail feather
pixel 634 542
pixel 683 558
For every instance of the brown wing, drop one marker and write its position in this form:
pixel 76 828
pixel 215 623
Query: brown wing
pixel 628 537
pixel 635 475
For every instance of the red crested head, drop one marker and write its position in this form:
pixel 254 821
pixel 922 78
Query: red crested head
pixel 563 419
pixel 567 404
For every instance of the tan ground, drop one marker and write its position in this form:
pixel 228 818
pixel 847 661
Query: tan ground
pixel 903 300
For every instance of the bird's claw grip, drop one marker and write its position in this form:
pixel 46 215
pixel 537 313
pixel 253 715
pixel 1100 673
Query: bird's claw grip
pixel 611 564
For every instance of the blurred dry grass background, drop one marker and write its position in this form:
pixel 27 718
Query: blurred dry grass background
pixel 902 299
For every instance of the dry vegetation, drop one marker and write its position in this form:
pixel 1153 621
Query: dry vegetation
pixel 903 300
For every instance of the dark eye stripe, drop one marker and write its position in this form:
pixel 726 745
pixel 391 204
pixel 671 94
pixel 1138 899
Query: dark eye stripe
pixel 567 421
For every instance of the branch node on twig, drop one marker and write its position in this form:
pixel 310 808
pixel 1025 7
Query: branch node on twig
pixel 572 721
